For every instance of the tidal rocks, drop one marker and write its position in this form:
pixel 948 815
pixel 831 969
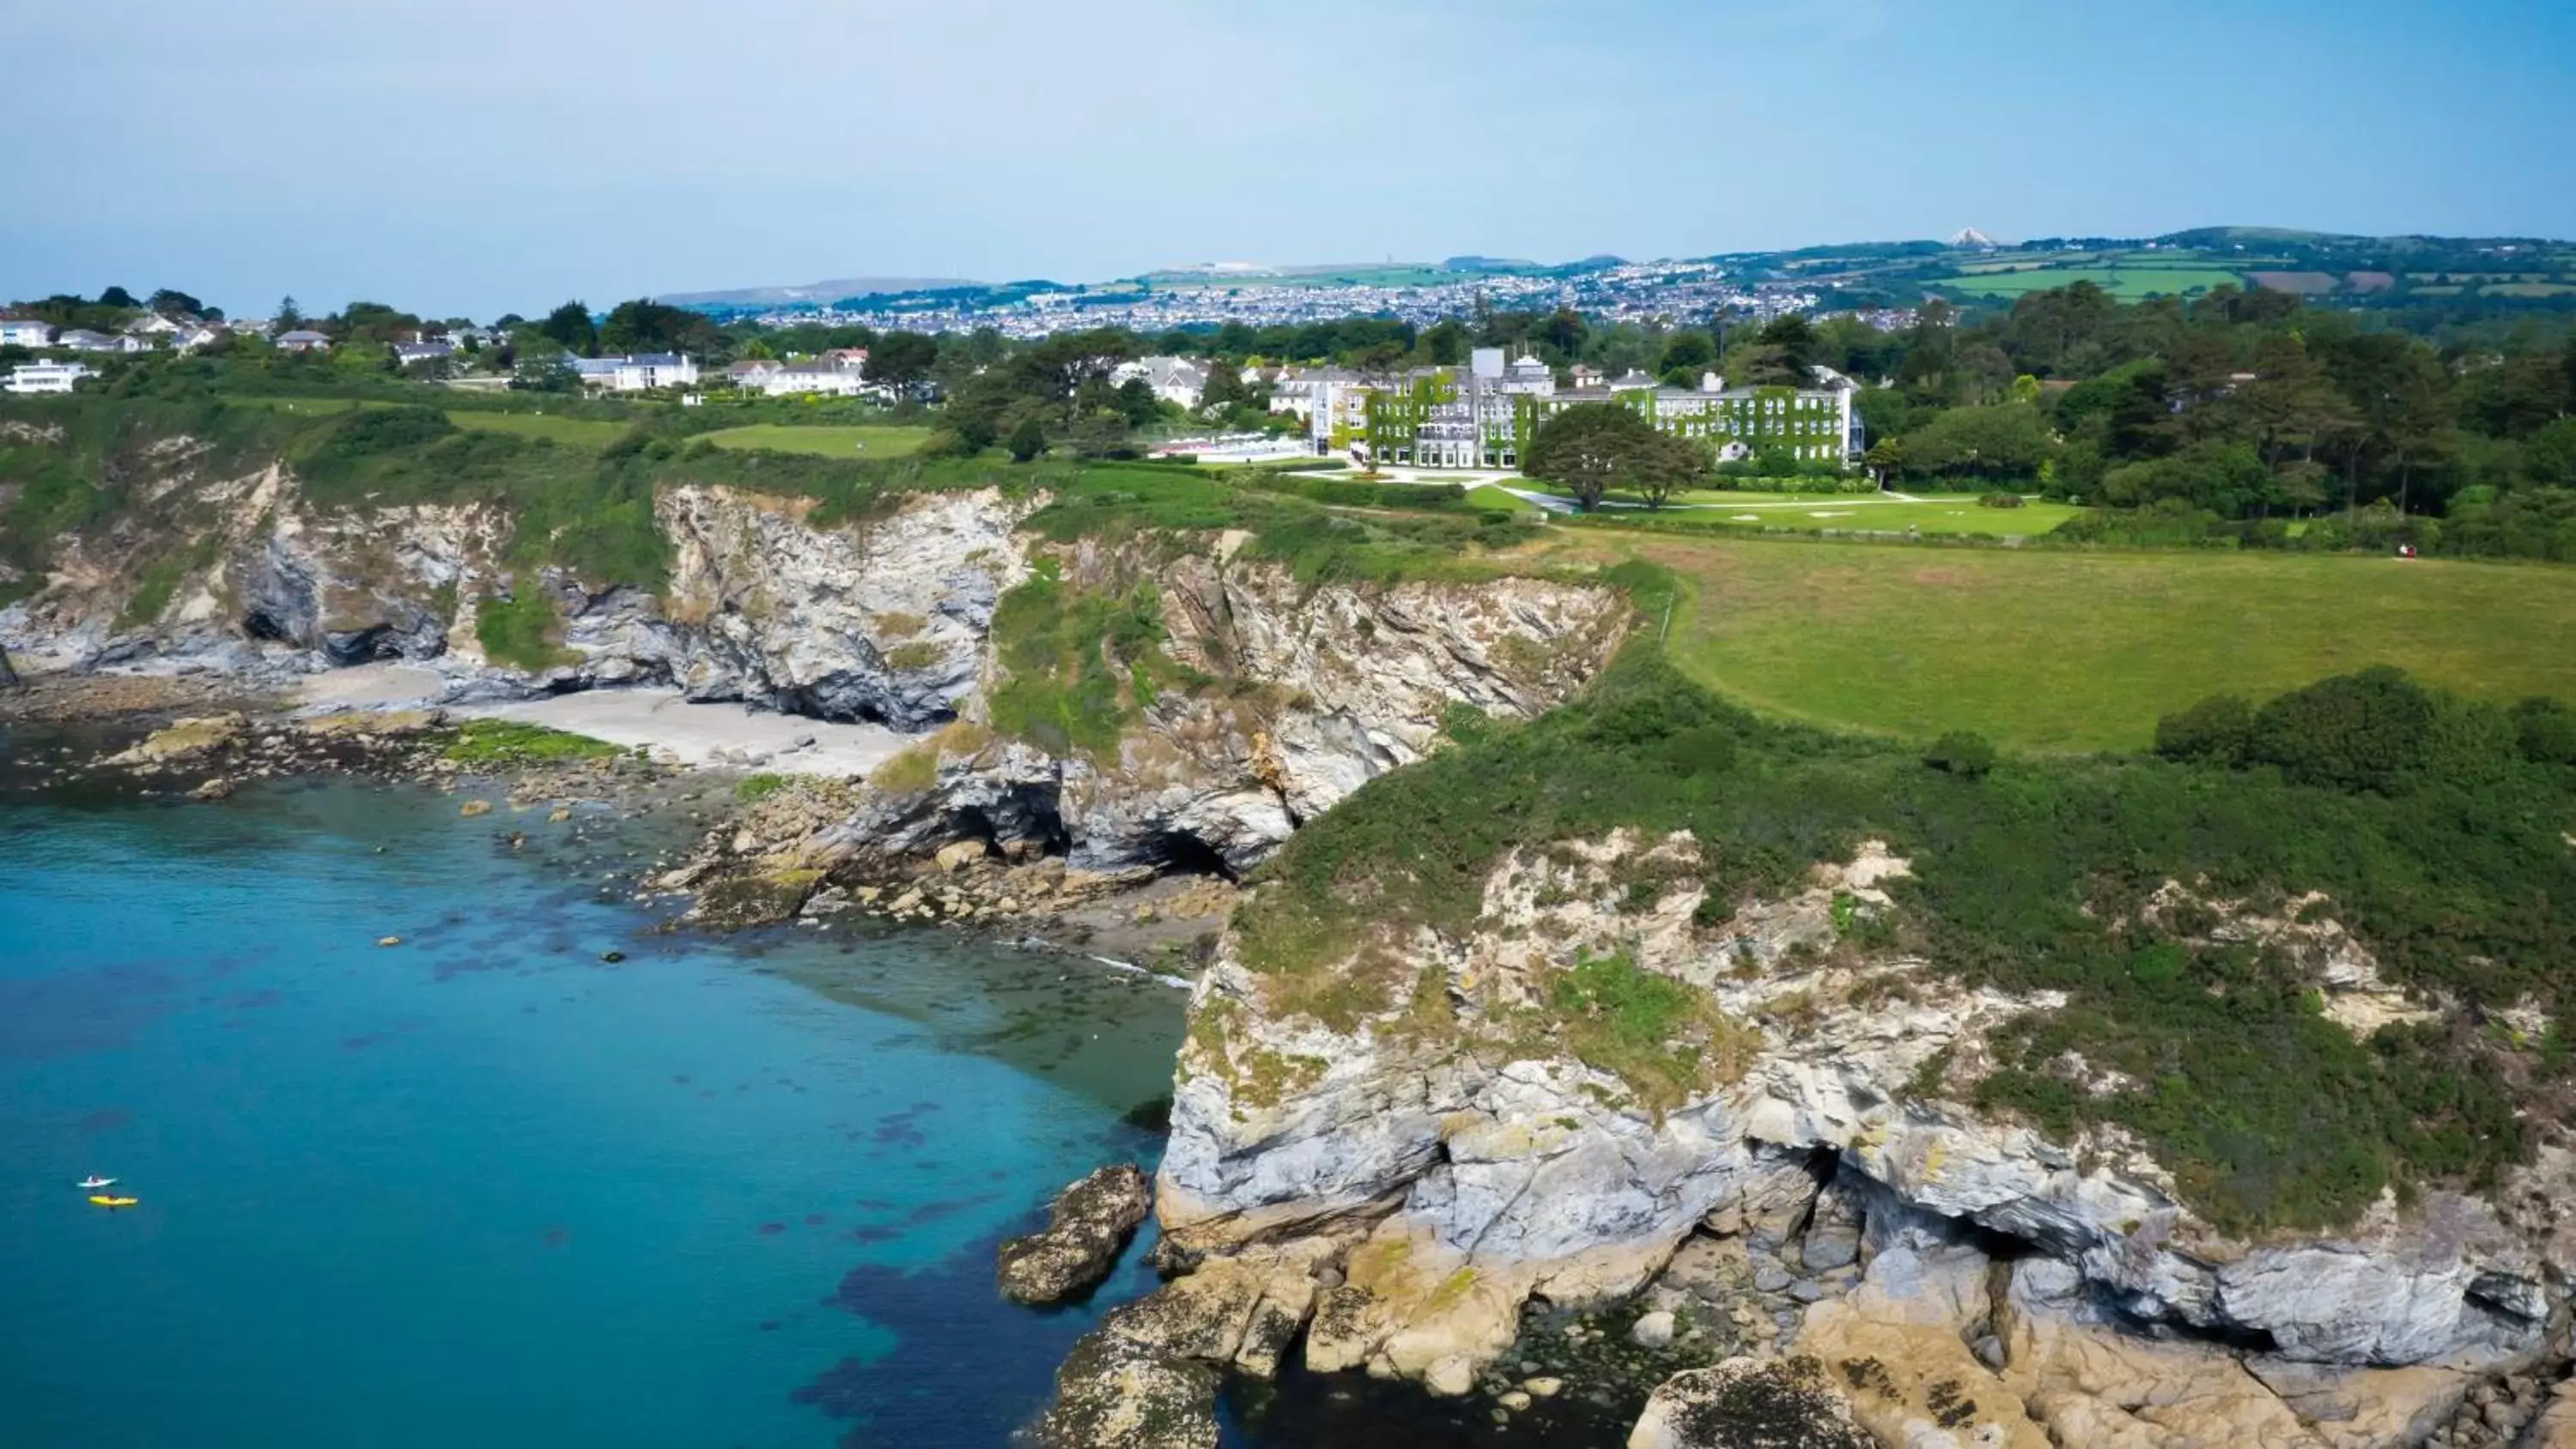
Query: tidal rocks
pixel 1747 1403
pixel 185 740
pixel 1088 1225
pixel 8 676
pixel 1113 1393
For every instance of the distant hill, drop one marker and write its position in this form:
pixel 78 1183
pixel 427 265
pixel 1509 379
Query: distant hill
pixel 814 292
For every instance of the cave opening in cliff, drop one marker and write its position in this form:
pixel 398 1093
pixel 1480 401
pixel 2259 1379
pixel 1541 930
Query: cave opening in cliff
pixel 1024 822
pixel 1179 852
pixel 260 624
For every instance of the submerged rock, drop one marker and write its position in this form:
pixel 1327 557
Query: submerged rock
pixel 1088 1225
pixel 1747 1403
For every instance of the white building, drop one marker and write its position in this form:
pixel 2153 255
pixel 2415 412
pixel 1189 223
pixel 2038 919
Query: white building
pixel 302 340
pixel 637 373
pixel 407 353
pixel 25 332
pixel 81 340
pixel 818 378
pixel 46 376
pixel 1173 379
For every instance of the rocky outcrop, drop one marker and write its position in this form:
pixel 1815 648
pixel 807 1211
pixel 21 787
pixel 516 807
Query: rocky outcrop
pixel 8 676
pixel 880 619
pixel 1479 1139
pixel 1112 1393
pixel 1748 1403
pixel 1088 1225
pixel 1151 1369
pixel 1332 686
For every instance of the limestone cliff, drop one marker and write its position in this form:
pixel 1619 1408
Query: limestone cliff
pixel 1275 699
pixel 1471 1139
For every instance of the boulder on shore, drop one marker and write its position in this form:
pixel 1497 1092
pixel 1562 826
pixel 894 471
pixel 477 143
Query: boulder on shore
pixel 1116 1394
pixel 8 676
pixel 1747 1403
pixel 1088 1225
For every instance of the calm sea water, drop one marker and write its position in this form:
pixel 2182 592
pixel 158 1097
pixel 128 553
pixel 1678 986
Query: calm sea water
pixel 485 1189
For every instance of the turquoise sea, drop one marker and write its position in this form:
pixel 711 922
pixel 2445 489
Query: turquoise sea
pixel 487 1188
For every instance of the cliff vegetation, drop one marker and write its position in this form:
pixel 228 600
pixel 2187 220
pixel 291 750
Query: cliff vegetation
pixel 2171 899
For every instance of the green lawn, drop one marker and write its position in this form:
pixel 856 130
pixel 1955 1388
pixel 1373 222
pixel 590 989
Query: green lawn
pixel 1938 514
pixel 582 432
pixel 1857 512
pixel 1486 495
pixel 2081 651
pixel 826 440
pixel 2129 284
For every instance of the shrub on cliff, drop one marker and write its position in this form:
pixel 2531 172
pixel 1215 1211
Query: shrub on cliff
pixel 2269 1113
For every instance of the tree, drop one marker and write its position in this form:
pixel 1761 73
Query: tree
pixel 901 359
pixel 1685 357
pixel 1224 385
pixel 644 325
pixel 1590 447
pixel 1656 471
pixel 168 303
pixel 117 297
pixel 1027 441
pixel 289 316
pixel 571 328
pixel 1443 344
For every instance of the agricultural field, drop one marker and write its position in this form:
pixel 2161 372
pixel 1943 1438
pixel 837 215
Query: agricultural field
pixel 2064 651
pixel 2128 281
pixel 824 440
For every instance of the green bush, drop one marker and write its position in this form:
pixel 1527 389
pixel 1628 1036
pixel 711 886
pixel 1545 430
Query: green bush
pixel 2366 731
pixel 1963 753
pixel 2000 500
pixel 2215 731
pixel 2545 731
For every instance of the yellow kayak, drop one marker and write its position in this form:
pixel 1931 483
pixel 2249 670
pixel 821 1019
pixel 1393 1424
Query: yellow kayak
pixel 115 1202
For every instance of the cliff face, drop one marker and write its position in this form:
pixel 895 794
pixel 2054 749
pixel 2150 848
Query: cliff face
pixel 1480 1139
pixel 1278 699
pixel 1314 692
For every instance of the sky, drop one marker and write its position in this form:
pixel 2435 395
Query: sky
pixel 471 157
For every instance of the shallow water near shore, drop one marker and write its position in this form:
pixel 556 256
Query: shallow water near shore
pixel 485 1187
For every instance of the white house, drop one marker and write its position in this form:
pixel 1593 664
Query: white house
pixel 81 340
pixel 25 332
pixel 1173 379
pixel 46 376
pixel 637 373
pixel 301 340
pixel 407 353
pixel 809 377
pixel 198 335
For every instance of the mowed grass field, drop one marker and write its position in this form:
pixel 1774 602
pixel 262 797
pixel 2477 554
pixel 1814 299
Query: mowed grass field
pixel 2071 651
pixel 2128 283
pixel 581 432
pixel 824 440
pixel 1887 515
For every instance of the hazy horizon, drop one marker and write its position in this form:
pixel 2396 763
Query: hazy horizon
pixel 472 157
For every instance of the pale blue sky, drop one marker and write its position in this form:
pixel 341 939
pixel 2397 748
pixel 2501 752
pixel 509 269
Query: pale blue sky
pixel 477 156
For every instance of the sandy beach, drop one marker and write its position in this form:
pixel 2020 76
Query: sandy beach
pixel 662 720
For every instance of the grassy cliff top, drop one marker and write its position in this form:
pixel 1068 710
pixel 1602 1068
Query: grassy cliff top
pixel 2437 829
